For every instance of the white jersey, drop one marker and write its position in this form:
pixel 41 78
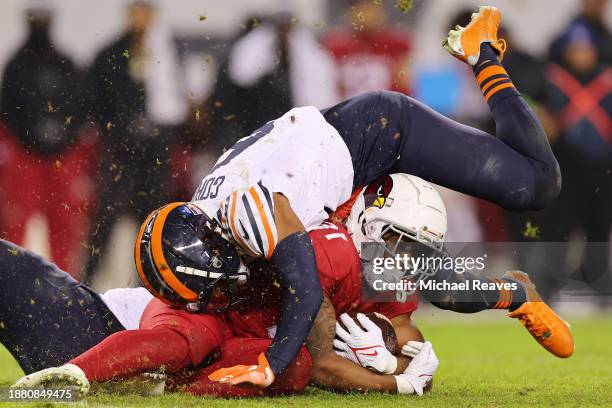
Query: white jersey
pixel 127 304
pixel 300 156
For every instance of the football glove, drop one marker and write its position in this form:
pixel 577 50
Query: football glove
pixel 260 375
pixel 364 347
pixel 420 370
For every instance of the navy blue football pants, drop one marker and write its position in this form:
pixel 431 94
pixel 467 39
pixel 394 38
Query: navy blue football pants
pixel 46 317
pixel 388 132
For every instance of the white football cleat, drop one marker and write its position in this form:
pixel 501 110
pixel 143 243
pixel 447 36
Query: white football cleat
pixel 68 375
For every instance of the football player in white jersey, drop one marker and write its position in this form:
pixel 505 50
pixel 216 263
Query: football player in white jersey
pixel 269 188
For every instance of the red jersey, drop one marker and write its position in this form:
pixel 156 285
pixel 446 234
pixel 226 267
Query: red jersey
pixel 370 61
pixel 339 268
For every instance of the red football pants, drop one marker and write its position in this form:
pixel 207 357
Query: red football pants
pixel 245 351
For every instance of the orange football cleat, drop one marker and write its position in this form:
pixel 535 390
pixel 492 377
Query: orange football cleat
pixel 464 42
pixel 552 332
pixel 260 375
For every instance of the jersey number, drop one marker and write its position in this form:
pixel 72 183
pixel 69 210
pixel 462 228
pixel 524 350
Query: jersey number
pixel 209 188
pixel 332 235
pixel 335 235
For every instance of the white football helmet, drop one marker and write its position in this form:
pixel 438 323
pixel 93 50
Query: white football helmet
pixel 406 205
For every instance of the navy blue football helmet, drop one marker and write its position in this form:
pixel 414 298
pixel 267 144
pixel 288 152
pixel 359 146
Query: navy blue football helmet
pixel 183 260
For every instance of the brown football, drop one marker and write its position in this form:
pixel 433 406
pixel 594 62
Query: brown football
pixel 388 332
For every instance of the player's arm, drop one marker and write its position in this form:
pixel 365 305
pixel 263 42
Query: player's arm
pixel 302 295
pixel 365 345
pixel 283 240
pixel 405 330
pixel 334 372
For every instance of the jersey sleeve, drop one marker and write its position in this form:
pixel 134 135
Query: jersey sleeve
pixel 324 268
pixel 248 216
pixel 332 254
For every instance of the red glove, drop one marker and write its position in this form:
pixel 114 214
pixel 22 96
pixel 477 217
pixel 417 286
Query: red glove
pixel 260 375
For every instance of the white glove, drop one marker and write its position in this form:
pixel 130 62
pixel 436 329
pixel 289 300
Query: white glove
pixel 343 350
pixel 420 370
pixel 364 347
pixel 412 348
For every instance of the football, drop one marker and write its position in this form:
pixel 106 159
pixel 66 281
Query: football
pixel 388 332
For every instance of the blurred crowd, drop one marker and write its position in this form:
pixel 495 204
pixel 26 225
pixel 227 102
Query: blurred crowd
pixel 85 149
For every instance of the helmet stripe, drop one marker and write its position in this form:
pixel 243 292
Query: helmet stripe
pixel 160 260
pixel 138 258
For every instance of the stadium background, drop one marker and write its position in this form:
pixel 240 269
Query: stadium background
pixel 196 39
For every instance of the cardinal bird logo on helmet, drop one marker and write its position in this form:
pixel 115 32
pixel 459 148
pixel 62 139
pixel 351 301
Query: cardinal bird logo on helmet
pixel 377 192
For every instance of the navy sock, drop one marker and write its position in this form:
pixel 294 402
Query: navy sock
pixel 473 300
pixel 518 296
pixel 491 76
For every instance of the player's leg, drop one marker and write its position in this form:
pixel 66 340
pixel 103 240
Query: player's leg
pixel 516 169
pixel 133 352
pixel 167 337
pixel 473 300
pixel 388 132
pixel 516 124
pixel 517 294
pixel 46 316
pixel 244 351
pixel 171 339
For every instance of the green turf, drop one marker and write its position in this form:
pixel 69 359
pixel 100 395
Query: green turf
pixel 490 363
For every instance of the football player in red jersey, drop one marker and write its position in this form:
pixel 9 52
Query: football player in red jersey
pixel 395 209
pixel 175 338
pixel 339 269
pixel 402 213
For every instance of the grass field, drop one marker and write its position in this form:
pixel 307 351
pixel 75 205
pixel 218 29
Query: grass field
pixel 483 362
